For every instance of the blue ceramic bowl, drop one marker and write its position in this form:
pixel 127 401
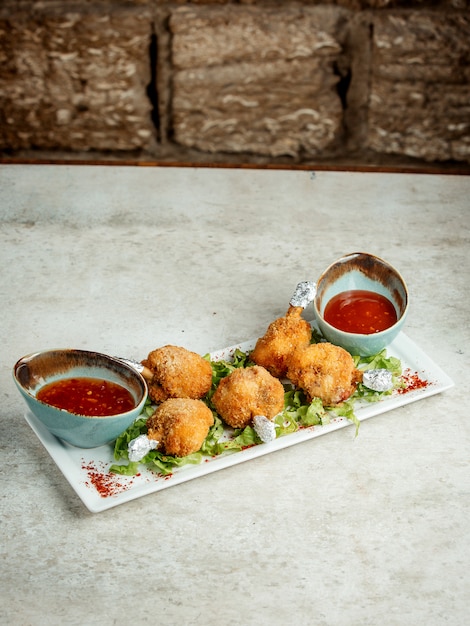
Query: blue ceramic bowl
pixel 34 371
pixel 360 270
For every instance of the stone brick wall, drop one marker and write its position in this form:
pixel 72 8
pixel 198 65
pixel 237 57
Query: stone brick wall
pixel 351 81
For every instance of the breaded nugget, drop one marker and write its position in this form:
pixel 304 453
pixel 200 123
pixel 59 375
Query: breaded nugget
pixel 324 371
pixel 248 392
pixel 282 337
pixel 177 373
pixel 180 425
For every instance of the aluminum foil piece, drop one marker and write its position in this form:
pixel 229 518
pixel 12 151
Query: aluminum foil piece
pixel 378 380
pixel 304 293
pixel 264 428
pixel 135 364
pixel 140 446
pixel 142 369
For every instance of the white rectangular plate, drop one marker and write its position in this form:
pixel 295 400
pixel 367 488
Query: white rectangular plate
pixel 87 471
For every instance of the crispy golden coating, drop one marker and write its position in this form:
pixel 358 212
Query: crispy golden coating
pixel 324 371
pixel 177 373
pixel 180 425
pixel 281 339
pixel 246 393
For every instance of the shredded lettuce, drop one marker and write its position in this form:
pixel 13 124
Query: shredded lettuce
pixel 298 413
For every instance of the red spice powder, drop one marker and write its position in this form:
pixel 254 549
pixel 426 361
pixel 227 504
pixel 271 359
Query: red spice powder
pixel 108 484
pixel 105 483
pixel 412 382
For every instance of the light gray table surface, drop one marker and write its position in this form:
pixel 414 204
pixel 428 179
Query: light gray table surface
pixel 334 531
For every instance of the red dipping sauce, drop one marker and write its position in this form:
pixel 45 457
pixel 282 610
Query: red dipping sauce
pixel 87 396
pixel 360 311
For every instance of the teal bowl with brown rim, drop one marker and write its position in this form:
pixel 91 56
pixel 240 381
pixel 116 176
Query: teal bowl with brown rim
pixel 32 372
pixel 361 271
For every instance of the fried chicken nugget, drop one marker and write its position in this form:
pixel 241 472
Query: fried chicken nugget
pixel 245 393
pixel 180 425
pixel 282 337
pixel 324 371
pixel 177 373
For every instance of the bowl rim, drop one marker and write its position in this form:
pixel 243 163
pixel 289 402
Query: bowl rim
pixel 91 353
pixel 381 333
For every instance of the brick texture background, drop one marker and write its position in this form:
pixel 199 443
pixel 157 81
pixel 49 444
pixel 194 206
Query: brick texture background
pixel 356 82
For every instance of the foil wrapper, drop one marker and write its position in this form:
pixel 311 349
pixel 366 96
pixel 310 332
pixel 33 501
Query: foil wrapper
pixel 264 428
pixel 140 446
pixel 135 364
pixel 304 293
pixel 378 380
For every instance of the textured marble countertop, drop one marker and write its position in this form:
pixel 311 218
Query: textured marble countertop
pixel 334 531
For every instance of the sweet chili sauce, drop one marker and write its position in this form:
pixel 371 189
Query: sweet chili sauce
pixel 360 311
pixel 87 396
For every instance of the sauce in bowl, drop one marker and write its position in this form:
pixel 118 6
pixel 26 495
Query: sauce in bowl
pixel 87 396
pixel 360 311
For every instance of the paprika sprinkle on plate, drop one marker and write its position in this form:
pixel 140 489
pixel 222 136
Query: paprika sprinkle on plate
pixel 412 382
